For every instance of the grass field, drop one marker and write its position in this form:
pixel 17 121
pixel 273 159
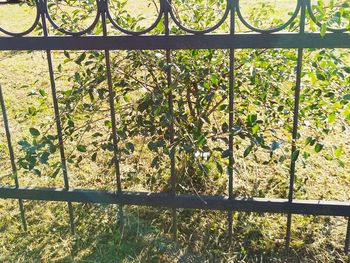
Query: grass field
pixel 202 235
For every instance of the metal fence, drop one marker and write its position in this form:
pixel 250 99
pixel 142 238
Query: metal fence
pixel 190 39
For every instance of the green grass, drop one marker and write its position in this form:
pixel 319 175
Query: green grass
pixel 202 235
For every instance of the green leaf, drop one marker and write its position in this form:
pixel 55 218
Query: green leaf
pixel 110 147
pixel 318 147
pixel 108 124
pixel 219 167
pixel 25 144
pixel 155 162
pixel 247 151
pixel 331 117
pixel 80 58
pixel 66 53
pixel 251 119
pixel 235 130
pixel 201 140
pixel 338 152
pixel 144 105
pixel 347 69
pixel 255 129
pixel 34 132
pixel 37 172
pixel 156 144
pixel 226 153
pixel 224 127
pixel 295 155
pixel 130 147
pixel 94 157
pixel 328 157
pixel 214 79
pixel 306 155
pixel 310 141
pixel 151 146
pixel 71 123
pixel 320 75
pixel 55 173
pixel 32 162
pixel 32 111
pixel 81 148
pixel 323 30
pixel 77 77
pixel 97 134
pixel 341 163
pixel 44 157
pixel 127 97
pixel 205 168
pixel 276 145
pixel 42 92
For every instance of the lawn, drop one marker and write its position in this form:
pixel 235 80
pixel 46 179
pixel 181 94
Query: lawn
pixel 202 235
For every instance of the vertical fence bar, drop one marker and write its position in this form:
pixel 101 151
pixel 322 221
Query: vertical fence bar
pixel 295 123
pixel 347 238
pixel 57 115
pixel 231 116
pixel 12 156
pixel 103 6
pixel 167 6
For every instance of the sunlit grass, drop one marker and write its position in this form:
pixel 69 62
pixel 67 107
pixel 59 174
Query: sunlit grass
pixel 147 237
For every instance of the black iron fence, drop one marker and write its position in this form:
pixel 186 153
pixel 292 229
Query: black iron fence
pixel 191 39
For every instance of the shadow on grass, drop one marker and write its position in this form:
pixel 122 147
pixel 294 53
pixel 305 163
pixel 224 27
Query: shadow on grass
pixel 98 237
pixel 202 236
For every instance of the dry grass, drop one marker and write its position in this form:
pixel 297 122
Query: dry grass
pixel 146 238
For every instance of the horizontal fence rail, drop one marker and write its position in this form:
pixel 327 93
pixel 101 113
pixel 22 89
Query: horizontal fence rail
pixel 189 39
pixel 238 41
pixel 261 205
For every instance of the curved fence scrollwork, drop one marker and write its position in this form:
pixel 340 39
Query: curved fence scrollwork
pixel 103 7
